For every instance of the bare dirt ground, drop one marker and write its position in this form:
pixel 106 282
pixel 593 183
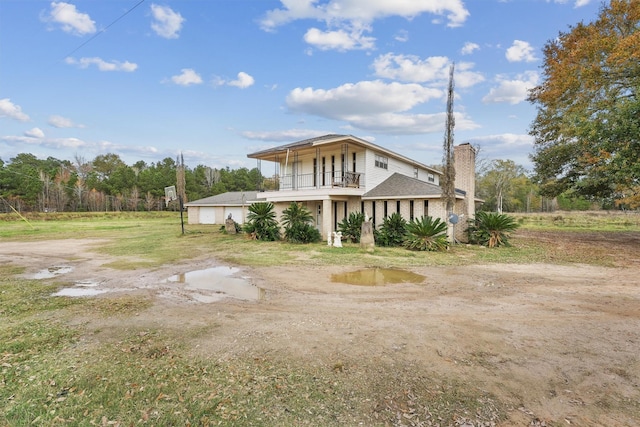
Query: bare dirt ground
pixel 555 344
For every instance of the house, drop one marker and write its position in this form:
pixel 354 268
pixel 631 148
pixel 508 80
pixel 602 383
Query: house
pixel 334 175
pixel 216 209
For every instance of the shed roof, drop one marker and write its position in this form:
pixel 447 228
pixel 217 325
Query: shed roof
pixel 229 198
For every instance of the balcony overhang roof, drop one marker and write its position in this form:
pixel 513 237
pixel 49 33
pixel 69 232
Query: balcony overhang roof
pixel 331 139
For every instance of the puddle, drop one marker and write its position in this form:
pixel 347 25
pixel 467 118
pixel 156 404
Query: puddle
pixel 82 288
pixel 50 272
pixel 220 281
pixel 78 292
pixel 377 277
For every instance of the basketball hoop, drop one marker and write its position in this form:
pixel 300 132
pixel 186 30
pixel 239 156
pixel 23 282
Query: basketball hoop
pixel 170 194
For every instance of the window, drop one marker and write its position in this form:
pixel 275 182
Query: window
pixel 386 209
pixel 415 173
pixel 426 208
pixel 398 206
pixel 431 178
pixel 410 210
pixel 382 162
pixel 354 162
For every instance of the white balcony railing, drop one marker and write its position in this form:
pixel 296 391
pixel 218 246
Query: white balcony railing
pixel 310 181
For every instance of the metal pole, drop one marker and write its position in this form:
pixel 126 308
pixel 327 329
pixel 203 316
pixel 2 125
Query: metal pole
pixel 181 216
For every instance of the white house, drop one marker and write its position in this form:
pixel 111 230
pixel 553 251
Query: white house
pixel 334 175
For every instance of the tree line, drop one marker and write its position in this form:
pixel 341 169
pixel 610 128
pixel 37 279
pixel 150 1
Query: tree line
pixel 107 183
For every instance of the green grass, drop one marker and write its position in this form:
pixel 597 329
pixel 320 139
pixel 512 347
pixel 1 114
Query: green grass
pixel 58 371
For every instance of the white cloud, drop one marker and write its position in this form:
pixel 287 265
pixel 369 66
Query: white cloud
pixel 340 40
pixel 520 51
pixel 362 11
pixel 512 91
pixel 57 143
pixel 34 133
pixel 187 77
pixel 366 97
pixel 62 122
pixel 578 3
pixel 435 69
pixel 12 111
pixel 469 48
pixel 167 23
pixel 71 21
pixel 102 64
pixel 375 106
pixel 243 81
pixel 402 36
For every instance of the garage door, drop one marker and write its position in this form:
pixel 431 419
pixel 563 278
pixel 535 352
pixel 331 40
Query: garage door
pixel 236 213
pixel 207 215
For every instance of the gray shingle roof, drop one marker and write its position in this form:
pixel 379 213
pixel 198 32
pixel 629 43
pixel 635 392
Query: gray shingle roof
pixel 400 186
pixel 229 198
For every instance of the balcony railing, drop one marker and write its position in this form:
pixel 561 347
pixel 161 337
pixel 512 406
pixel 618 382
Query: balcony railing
pixel 310 181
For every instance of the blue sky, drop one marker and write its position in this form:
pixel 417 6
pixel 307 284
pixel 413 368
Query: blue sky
pixel 214 80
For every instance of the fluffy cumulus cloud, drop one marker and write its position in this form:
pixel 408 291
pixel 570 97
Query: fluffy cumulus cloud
pixel 512 91
pixel 243 80
pixel 348 38
pixel 102 65
pixel 435 70
pixel 520 51
pixel 70 19
pixel 166 23
pixel 34 133
pixel 348 20
pixel 469 48
pixel 363 10
pixel 62 122
pixel 187 77
pixel 374 106
pixel 12 111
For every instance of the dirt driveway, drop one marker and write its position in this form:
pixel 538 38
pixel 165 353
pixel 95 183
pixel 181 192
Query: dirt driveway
pixel 554 344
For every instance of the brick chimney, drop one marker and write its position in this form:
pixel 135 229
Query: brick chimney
pixel 464 157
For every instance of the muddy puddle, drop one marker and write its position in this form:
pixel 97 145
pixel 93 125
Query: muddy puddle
pixel 50 272
pixel 216 283
pixel 81 288
pixel 377 277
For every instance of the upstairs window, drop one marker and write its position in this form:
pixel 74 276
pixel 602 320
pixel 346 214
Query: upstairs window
pixel 431 178
pixel 382 162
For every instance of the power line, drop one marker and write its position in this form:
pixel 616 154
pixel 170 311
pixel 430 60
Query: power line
pixel 104 29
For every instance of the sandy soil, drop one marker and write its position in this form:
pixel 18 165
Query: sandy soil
pixel 557 344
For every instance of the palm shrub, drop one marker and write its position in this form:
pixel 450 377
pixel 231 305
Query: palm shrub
pixel 261 222
pixel 297 222
pixel 392 231
pixel 351 227
pixel 426 234
pixel 491 229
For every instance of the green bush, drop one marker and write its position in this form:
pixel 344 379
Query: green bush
pixel 393 231
pixel 297 222
pixel 261 222
pixel 427 234
pixel 351 227
pixel 491 229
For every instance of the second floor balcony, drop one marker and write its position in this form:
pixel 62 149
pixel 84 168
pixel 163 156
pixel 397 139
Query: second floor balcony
pixel 310 181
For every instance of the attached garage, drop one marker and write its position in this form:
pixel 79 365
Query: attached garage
pixel 216 209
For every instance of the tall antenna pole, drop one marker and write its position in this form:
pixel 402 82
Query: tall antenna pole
pixel 449 176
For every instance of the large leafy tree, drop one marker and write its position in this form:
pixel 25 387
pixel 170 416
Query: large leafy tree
pixel 587 128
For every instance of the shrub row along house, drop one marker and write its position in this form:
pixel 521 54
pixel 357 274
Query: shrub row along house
pixel 334 175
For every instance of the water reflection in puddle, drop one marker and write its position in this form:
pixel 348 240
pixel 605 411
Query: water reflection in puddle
pixel 82 288
pixel 220 281
pixel 78 292
pixel 50 272
pixel 377 277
